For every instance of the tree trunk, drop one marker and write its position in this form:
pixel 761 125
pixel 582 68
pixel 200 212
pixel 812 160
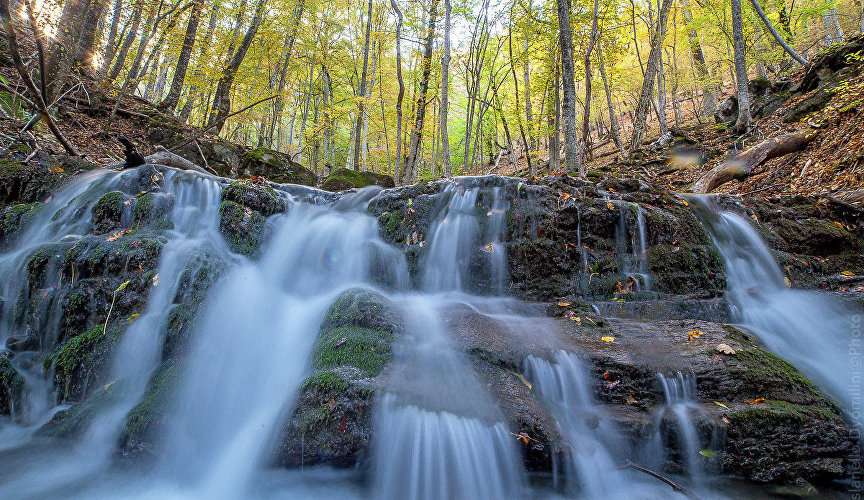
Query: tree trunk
pixel 645 98
pixel 742 165
pixel 279 102
pixel 776 35
pixel 741 80
pixel 586 116
pixel 198 73
pixel 60 55
pixel 86 48
pixel 127 43
pixel 555 136
pixel 416 134
pixel 170 101
pixel 709 97
pixel 111 44
pixel 361 104
pixel 401 94
pixel 221 99
pixel 613 120
pixel 572 163
pixel 445 92
pixel 833 31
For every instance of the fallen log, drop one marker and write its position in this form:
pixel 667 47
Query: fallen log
pixel 742 165
pixel 164 157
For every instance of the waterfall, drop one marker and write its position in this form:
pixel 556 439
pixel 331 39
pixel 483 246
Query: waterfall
pixel 562 384
pixel 811 330
pixel 635 261
pixel 439 434
pixel 679 393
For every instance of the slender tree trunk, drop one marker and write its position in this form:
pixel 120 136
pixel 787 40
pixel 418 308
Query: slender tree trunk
pixel 198 73
pixel 555 122
pixel 445 89
pixel 221 100
pixel 525 142
pixel 110 47
pixel 709 97
pixel 833 31
pixel 774 33
pixel 586 116
pixel 741 80
pixel 127 43
pixel 613 120
pixel 279 103
pixel 361 103
pixel 416 134
pixel 401 94
pixel 649 80
pixel 173 97
pixel 572 163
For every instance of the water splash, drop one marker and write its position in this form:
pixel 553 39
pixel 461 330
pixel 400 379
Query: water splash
pixel 679 393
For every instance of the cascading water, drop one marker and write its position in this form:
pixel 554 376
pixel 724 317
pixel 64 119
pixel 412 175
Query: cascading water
pixel 679 392
pixel 633 263
pixel 811 330
pixel 565 390
pixel 441 436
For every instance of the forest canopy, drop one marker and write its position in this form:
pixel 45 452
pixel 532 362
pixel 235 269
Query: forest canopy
pixel 425 89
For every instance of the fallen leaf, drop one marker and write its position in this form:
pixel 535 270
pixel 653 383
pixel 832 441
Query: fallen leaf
pixel 606 374
pixel 631 400
pixel 522 378
pixel 155 280
pixel 489 248
pixel 340 342
pixel 725 349
pixel 612 385
pixel 788 283
pixel 756 401
pixel 122 286
pixel 610 206
pixel 725 419
pixel 721 405
pixel 694 334
pixel 59 170
pixel 607 339
pixel 118 234
pixel 132 318
pixel 577 319
pixel 708 453
pixel 563 304
pixel 847 273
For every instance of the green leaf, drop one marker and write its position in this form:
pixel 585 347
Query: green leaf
pixel 721 405
pixel 122 286
pixel 708 453
pixel 132 318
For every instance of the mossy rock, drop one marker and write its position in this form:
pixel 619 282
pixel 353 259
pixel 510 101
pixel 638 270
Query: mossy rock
pixel 80 363
pixel 277 167
pixel 686 268
pixel 76 419
pixel 332 423
pixel 11 387
pixel 255 195
pixel 802 441
pixel 153 209
pixel 195 282
pixel 243 228
pixel 13 218
pixel 108 212
pixel 345 178
pixel 21 183
pixel 142 422
pixel 361 308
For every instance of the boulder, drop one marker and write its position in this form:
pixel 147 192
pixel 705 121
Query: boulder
pixel 275 166
pixel 344 178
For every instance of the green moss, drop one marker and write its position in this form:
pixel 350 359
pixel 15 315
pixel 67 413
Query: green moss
pixel 15 217
pixel 76 418
pixel 11 386
pixel 78 353
pixel 153 209
pixel 769 367
pixel 277 167
pixel 255 195
pixel 343 179
pixel 776 410
pixel 153 405
pixel 324 381
pixel 108 212
pixel 364 348
pixel 242 227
